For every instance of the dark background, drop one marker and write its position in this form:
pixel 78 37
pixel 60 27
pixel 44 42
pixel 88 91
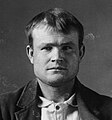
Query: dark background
pixel 95 15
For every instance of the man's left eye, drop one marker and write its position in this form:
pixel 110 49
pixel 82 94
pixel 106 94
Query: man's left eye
pixel 67 48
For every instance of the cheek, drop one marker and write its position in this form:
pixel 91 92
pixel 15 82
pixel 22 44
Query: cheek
pixel 40 60
pixel 73 60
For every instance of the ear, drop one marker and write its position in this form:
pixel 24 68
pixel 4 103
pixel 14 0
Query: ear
pixel 29 52
pixel 82 52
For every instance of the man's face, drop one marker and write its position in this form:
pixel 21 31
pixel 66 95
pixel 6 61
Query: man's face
pixel 55 56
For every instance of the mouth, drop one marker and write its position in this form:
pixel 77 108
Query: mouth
pixel 57 68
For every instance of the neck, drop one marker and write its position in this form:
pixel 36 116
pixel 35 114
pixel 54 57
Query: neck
pixel 57 93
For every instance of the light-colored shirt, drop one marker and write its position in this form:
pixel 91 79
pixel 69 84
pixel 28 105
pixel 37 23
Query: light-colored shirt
pixel 59 111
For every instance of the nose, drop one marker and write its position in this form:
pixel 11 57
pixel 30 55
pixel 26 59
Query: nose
pixel 57 55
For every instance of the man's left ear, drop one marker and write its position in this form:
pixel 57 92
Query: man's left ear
pixel 82 51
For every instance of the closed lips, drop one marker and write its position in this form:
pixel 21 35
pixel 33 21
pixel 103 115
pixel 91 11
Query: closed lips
pixel 57 68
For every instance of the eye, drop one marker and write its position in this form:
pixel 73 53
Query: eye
pixel 67 48
pixel 47 48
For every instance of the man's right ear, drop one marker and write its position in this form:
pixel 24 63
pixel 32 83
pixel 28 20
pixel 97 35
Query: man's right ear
pixel 29 52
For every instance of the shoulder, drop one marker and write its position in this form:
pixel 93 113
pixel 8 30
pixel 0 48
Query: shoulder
pixel 10 97
pixel 90 94
pixel 96 101
pixel 94 96
pixel 8 103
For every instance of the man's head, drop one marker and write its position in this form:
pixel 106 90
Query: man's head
pixel 55 45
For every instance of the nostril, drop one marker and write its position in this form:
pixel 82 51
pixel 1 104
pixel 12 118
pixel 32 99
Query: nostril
pixel 58 60
pixel 53 60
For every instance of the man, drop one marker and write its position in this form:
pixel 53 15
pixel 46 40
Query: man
pixel 55 49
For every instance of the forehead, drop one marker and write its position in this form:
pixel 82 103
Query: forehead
pixel 44 34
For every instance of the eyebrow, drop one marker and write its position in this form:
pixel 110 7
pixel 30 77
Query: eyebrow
pixel 54 44
pixel 68 43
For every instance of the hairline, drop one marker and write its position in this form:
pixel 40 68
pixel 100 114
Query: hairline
pixel 37 26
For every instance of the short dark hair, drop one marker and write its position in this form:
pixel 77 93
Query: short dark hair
pixel 59 19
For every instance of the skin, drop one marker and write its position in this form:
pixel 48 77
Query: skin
pixel 55 58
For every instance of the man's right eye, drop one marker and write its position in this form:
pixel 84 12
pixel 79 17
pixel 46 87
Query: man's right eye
pixel 48 48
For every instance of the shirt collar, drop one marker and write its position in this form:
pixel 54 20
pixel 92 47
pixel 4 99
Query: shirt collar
pixel 45 102
pixel 72 101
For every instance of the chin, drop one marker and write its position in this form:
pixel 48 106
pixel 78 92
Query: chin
pixel 56 80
